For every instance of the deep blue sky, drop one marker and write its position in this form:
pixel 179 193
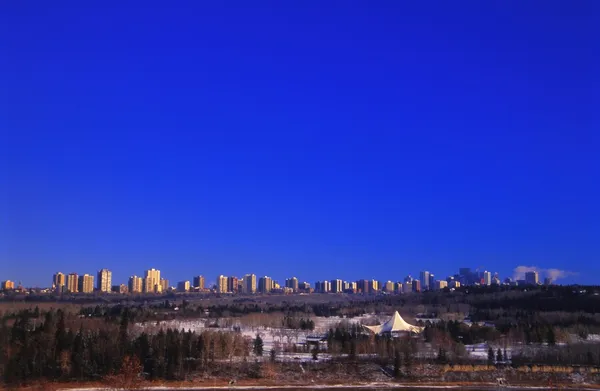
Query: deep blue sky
pixel 321 139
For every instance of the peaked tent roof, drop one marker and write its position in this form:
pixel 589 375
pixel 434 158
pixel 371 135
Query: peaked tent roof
pixel 395 324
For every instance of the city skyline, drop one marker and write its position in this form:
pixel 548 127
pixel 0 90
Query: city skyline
pixel 151 281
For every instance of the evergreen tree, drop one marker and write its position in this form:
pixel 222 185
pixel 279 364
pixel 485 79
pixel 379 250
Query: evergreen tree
pixel 258 345
pixel 490 355
pixel 499 357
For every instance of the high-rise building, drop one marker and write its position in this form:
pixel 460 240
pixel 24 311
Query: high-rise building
pixel 398 287
pixel 441 284
pixel 363 286
pixel 136 284
pixel 122 289
pixel 8 285
pixel 424 280
pixel 59 280
pixel 304 286
pixel 373 286
pixel 265 284
pixel 222 284
pixel 353 286
pixel 336 286
pixel 292 283
pixel 389 287
pixel 163 285
pixel 104 282
pixel 532 278
pixel 431 281
pixel 199 283
pixel 249 284
pixel 232 284
pixel 416 286
pixel 183 286
pixel 152 280
pixel 85 283
pixel 72 283
pixel 407 287
pixel 548 281
pixel 487 278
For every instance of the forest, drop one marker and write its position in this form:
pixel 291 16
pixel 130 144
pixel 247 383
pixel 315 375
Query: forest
pixel 98 343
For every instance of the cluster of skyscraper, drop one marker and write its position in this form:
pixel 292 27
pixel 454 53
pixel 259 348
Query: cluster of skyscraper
pixel 249 284
pixel 75 283
pixel 152 282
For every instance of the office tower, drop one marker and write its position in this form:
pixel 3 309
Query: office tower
pixel 408 280
pixel 441 284
pixel 336 286
pixel 453 283
pixel 487 278
pixel 265 284
pixel 363 286
pixel 373 286
pixel 221 284
pixel 431 281
pixel 398 287
pixel 389 287
pixel 304 286
pixel 199 283
pixel 292 283
pixel 407 287
pixel 232 284
pixel 416 286
pixel 136 284
pixel 59 280
pixel 163 285
pixel 72 283
pixel 424 280
pixel 353 286
pixel 548 281
pixel 249 284
pixel 8 285
pixel 151 280
pixel 532 278
pixel 104 282
pixel 85 283
pixel 183 286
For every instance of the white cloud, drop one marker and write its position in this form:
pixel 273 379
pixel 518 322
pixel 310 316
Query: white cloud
pixel 554 274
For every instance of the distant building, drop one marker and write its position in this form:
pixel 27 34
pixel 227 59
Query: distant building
pixel 353 286
pixel 424 280
pixel 487 278
pixel 222 284
pixel 323 286
pixel 431 285
pixel 265 284
pixel 532 278
pixel 152 281
pixel 373 286
pixel 304 286
pixel 72 283
pixel 136 284
pixel 123 289
pixel 363 286
pixel 441 284
pixel 548 281
pixel 336 286
pixel 249 284
pixel 232 284
pixel 183 286
pixel 407 287
pixel 416 286
pixel 86 283
pixel 163 285
pixel 398 287
pixel 199 283
pixel 59 280
pixel 104 282
pixel 292 283
pixel 389 287
pixel 8 285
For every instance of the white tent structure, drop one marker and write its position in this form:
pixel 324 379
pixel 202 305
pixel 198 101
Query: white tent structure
pixel 395 325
